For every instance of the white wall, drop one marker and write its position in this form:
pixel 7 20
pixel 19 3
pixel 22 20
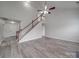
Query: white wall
pixel 18 11
pixel 35 33
pixel 63 24
pixel 10 29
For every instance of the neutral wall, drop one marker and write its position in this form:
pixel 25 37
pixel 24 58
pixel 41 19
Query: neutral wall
pixel 16 10
pixel 63 24
pixel 10 29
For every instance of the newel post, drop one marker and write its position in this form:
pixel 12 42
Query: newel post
pixel 17 35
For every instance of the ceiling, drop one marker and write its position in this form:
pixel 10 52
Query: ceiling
pixel 40 4
pixel 18 10
pixel 65 4
pixel 58 4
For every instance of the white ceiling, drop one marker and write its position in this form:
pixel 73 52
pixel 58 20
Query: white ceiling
pixel 58 4
pixel 65 4
pixel 17 8
pixel 40 4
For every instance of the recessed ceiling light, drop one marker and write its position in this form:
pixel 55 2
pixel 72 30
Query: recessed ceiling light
pixel 45 7
pixel 27 3
pixel 12 22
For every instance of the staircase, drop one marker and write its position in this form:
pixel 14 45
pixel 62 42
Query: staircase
pixel 22 32
pixel 9 47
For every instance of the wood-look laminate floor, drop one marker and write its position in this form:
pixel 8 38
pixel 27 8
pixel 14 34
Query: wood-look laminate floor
pixel 42 48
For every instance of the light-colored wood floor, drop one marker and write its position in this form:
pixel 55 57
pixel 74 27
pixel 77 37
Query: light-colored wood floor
pixel 42 48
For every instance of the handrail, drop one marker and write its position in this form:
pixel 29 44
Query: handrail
pixel 28 30
pixel 30 23
pixel 18 32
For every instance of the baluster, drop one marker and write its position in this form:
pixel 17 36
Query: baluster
pixel 32 23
